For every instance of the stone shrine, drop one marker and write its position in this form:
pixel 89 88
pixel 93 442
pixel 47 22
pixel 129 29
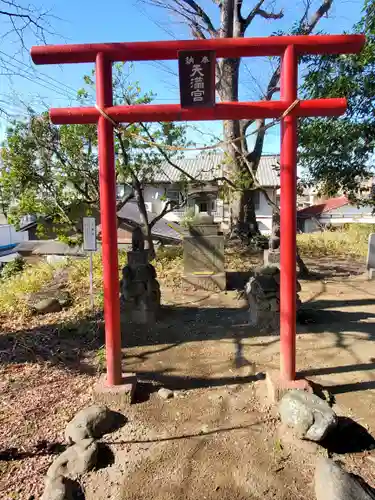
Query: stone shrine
pixel 140 291
pixel 272 255
pixel 204 255
pixel 263 296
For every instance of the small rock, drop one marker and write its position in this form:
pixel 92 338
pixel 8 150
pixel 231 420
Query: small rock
pixel 75 460
pixel 91 422
pixel 54 489
pixel 165 393
pixel 334 483
pixel 309 416
pixel 47 306
pixel 62 488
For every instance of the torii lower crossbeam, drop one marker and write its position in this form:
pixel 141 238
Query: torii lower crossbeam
pixel 289 48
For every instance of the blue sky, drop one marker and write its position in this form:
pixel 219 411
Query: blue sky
pixel 83 21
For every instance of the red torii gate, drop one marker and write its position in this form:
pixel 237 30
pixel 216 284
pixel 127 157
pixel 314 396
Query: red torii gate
pixel 289 48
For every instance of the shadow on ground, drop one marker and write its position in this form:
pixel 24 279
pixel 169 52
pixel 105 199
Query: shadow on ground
pixel 348 437
pixel 75 345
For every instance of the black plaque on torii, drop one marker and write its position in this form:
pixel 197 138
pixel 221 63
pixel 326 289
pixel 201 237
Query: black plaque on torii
pixel 197 78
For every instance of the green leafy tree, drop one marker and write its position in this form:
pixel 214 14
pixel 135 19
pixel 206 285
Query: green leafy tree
pixel 52 170
pixel 338 153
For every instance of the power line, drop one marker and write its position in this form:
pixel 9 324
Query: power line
pixel 47 85
pixel 38 72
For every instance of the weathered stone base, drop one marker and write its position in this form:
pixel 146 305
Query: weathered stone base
pixel 371 274
pixel 214 282
pixel 263 296
pixel 277 387
pixel 115 395
pixel 140 291
pixel 271 258
pixel 140 314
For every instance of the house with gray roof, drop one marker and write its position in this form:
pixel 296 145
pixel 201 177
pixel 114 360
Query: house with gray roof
pixel 166 185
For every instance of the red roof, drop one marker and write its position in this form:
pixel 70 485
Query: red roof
pixel 326 206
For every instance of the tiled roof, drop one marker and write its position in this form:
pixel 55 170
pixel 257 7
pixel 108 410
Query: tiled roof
pixel 326 206
pixel 162 228
pixel 208 166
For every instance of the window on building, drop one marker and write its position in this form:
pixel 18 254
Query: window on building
pixel 203 206
pixel 173 195
pixel 209 205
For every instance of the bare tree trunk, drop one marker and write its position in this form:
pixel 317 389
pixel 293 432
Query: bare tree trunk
pixel 233 24
pixel 242 207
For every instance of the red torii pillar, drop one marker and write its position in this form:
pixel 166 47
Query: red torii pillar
pixel 104 54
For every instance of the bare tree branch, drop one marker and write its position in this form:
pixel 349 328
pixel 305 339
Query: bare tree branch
pixel 168 207
pixel 164 154
pixel 258 11
pixel 270 15
pixel 189 10
pixel 320 12
pixel 200 13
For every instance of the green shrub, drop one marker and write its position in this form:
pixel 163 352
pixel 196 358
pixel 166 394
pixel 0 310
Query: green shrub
pixel 13 267
pixel 15 290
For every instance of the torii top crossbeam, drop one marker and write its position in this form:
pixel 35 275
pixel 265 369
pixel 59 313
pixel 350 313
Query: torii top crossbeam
pixel 224 47
pixel 289 48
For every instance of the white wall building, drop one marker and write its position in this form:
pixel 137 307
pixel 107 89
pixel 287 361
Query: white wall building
pixel 9 236
pixel 166 185
pixel 333 212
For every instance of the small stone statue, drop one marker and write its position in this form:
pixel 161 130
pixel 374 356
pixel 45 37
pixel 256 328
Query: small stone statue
pixel 275 235
pixel 138 240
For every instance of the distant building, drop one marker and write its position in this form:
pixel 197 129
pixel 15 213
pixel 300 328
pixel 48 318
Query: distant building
pixel 206 168
pixel 9 236
pixel 333 212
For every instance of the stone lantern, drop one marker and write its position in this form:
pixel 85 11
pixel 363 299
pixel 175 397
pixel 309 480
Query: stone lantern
pixel 204 247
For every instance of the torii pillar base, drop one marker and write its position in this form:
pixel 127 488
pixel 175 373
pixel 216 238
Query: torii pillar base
pixel 115 396
pixel 277 386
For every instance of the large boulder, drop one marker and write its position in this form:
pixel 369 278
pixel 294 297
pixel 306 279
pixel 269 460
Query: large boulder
pixel 46 306
pixel 334 483
pixel 49 301
pixel 75 460
pixel 91 422
pixel 309 416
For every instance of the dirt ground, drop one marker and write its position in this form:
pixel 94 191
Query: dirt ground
pixel 217 438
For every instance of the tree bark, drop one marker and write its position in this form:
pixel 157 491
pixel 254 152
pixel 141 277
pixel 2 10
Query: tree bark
pixel 242 207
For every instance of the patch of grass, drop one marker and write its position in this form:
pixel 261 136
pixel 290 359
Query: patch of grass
pixel 14 291
pixel 100 359
pixel 278 446
pixel 79 276
pixel 349 241
pixel 169 266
